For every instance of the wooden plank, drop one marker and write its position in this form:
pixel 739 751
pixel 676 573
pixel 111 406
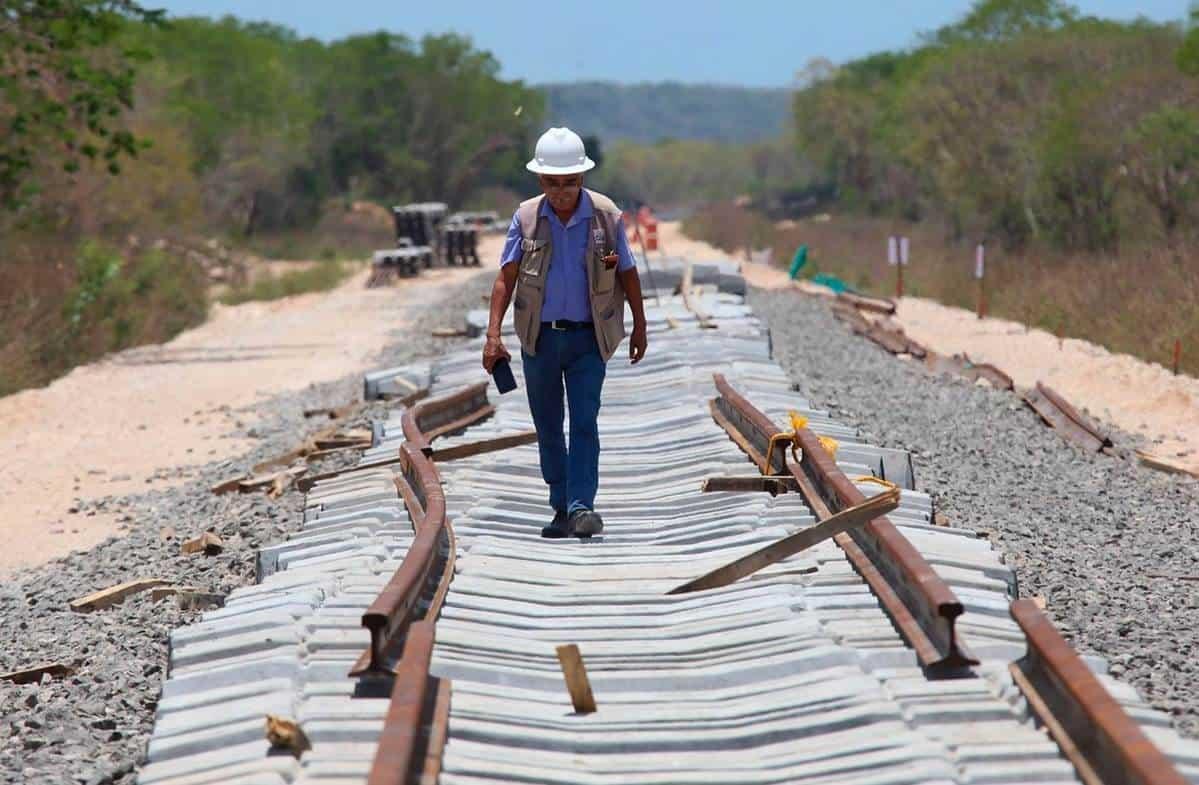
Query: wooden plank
pixel 484 446
pixel 34 673
pixel 577 682
pixel 794 543
pixel 1165 464
pixel 285 734
pixel 225 486
pixel 876 304
pixel 114 595
pixel 208 543
pixel 305 483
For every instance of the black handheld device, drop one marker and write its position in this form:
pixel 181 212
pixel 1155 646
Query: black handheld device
pixel 502 373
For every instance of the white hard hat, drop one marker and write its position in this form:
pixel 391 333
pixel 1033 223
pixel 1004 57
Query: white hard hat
pixel 560 151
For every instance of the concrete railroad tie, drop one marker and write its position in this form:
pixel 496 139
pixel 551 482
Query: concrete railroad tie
pixel 793 674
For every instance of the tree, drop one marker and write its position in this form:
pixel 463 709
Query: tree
pixel 64 88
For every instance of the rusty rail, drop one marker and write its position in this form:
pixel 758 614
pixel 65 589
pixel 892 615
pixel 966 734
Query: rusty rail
pixel 1094 732
pixel 419 485
pixel 921 605
pixel 436 417
pixel 404 742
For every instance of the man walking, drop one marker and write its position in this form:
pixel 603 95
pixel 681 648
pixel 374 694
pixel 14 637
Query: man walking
pixel 567 261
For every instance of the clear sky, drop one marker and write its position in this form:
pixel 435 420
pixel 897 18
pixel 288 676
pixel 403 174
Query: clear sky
pixel 750 42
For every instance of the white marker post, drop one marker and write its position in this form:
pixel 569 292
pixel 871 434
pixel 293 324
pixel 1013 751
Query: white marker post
pixel 980 267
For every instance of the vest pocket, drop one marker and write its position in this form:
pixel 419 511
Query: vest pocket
pixel 605 277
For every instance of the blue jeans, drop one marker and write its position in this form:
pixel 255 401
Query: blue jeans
pixel 574 357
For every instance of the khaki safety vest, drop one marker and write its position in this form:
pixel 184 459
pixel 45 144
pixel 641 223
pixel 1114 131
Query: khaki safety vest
pixel 607 295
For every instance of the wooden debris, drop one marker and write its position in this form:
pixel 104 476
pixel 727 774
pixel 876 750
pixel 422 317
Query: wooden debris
pixel 792 544
pixel 333 413
pixel 1061 416
pixel 448 332
pixel 208 543
pixel 166 533
pixel 225 486
pixel 114 595
pixel 940 519
pixel 34 673
pixel 1165 464
pixel 285 734
pixel 577 683
pixel 304 484
pixel 876 304
pixel 356 438
pixel 484 446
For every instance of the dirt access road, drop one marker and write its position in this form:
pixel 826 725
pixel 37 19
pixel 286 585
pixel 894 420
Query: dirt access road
pixel 128 422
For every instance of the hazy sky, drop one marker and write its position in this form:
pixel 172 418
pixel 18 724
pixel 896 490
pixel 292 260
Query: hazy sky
pixel 750 42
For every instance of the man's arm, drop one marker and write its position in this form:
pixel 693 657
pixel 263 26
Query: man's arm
pixel 501 297
pixel 632 289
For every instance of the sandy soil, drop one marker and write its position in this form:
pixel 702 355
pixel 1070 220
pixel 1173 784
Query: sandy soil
pixel 1135 396
pixel 128 422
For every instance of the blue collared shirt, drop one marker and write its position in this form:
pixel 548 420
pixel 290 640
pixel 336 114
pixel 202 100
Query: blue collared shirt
pixel 566 291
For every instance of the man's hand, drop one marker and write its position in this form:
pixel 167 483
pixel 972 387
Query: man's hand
pixel 637 343
pixel 493 352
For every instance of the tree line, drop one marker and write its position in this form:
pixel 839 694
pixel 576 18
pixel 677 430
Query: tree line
pixel 118 117
pixel 1023 122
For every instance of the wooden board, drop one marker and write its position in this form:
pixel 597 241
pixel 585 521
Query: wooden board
pixel 577 683
pixel 484 446
pixel 790 545
pixel 208 543
pixel 114 595
pixel 34 673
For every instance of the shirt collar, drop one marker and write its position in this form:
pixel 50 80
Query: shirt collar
pixel 582 212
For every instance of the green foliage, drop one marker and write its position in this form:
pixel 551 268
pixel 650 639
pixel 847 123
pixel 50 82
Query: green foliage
pixel 1021 122
pixel 320 277
pixel 650 113
pixel 64 88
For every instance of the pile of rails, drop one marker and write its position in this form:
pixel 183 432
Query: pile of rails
pixel 428 560
pixel 425 235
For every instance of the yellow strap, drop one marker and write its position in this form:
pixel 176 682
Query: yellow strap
pixel 797 421
pixel 875 481
pixel 830 445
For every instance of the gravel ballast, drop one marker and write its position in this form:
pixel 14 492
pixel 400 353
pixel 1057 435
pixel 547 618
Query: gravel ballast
pixel 92 727
pixel 1103 540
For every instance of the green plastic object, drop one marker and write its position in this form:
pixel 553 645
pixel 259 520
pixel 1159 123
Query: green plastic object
pixel 831 281
pixel 798 262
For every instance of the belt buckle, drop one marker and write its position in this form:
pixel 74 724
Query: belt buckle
pixel 554 326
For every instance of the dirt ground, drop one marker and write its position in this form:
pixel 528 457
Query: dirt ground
pixel 130 421
pixel 1135 396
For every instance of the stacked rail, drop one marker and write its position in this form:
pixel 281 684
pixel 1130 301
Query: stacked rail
pixel 805 671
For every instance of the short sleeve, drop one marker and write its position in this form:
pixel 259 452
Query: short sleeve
pixel 513 251
pixel 626 262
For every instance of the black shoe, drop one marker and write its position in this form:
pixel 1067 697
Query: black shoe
pixel 585 522
pixel 560 527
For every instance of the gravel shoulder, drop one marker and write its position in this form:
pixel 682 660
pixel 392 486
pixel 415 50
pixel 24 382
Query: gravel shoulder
pixel 1089 533
pixel 92 727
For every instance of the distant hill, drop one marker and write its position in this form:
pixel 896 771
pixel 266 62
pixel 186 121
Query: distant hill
pixel 668 110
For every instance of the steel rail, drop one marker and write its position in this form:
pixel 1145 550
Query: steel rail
pixel 419 485
pixel 1094 732
pixel 414 730
pixel 921 605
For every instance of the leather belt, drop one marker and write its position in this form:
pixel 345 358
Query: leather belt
pixel 567 324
